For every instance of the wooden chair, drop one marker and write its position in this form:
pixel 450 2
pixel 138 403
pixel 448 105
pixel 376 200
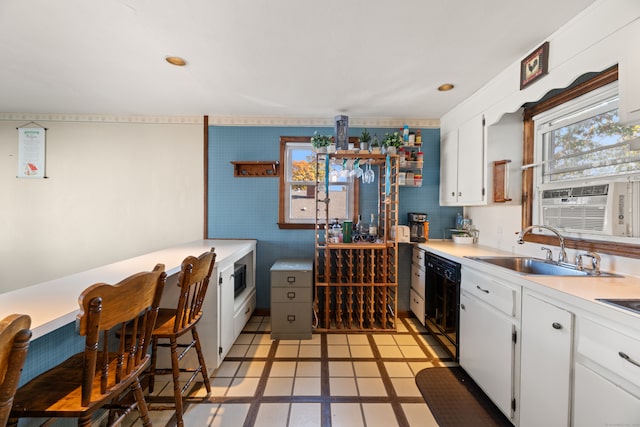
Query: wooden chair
pixel 90 380
pixel 14 342
pixel 173 323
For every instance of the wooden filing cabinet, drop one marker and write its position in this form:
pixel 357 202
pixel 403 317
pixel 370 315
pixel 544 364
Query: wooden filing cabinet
pixel 292 299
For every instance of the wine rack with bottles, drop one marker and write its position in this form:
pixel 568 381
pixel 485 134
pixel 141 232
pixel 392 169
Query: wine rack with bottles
pixel 356 283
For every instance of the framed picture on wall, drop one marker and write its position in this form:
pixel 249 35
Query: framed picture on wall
pixel 534 66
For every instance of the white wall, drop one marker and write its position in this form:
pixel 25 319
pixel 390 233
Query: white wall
pixel 114 190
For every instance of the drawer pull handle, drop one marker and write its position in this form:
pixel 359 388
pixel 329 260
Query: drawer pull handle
pixel 291 318
pixel 556 325
pixel 626 357
pixel 248 310
pixel 291 295
pixel 291 279
pixel 483 290
pixel 463 307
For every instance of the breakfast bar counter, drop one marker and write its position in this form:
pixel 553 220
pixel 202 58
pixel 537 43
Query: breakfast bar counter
pixel 54 303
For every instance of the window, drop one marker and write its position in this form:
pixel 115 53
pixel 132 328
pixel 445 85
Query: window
pixel 298 186
pixel 582 139
pixel 532 178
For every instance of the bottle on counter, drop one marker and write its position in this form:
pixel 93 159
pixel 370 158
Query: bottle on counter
pixel 359 226
pixel 459 221
pixel 418 137
pixel 405 133
pixel 373 227
pixel 335 233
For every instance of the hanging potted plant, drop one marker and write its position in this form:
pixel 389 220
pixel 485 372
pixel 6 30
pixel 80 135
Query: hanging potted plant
pixel 392 142
pixel 365 137
pixel 320 142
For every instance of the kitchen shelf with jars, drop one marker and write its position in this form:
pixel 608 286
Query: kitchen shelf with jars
pixel 411 159
pixel 356 266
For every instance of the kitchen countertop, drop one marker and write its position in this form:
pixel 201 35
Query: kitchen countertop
pixel 576 290
pixel 54 303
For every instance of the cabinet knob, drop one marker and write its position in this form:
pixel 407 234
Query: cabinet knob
pixel 460 193
pixel 453 193
pixel 556 325
pixel 463 307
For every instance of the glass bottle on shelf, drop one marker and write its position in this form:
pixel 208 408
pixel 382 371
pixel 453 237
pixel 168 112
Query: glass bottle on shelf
pixel 373 228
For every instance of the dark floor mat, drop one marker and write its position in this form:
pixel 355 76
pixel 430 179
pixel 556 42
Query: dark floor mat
pixel 456 400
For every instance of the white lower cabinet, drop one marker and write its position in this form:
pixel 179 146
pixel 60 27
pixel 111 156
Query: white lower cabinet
pixel 225 316
pixel 488 326
pixel 545 363
pixel 607 376
pixel 599 402
pixel 487 350
pixel 418 280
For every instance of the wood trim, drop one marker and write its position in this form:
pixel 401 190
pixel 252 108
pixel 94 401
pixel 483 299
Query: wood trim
pixel 205 231
pixel 613 248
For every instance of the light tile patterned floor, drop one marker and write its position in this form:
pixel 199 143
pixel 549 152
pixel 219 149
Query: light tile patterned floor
pixel 332 380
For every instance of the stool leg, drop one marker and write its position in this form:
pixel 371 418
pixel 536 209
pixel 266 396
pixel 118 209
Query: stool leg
pixel 152 366
pixel 203 366
pixel 142 404
pixel 175 368
pixel 84 421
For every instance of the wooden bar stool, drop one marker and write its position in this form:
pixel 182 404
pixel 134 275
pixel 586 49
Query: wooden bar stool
pixel 14 342
pixel 90 380
pixel 173 323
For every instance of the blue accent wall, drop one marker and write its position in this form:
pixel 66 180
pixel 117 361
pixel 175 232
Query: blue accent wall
pixel 248 207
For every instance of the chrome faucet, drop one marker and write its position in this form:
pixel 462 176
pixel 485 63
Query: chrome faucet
pixel 562 256
pixel 595 261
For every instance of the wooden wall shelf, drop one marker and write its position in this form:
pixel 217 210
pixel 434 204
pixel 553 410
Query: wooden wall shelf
pixel 256 169
pixel 501 181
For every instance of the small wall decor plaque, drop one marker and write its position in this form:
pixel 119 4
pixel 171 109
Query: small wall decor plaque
pixel 534 66
pixel 31 152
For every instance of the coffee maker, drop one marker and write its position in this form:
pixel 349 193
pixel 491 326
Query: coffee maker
pixel 416 226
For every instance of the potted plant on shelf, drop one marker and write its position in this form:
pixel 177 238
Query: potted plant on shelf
pixel 365 137
pixel 320 142
pixel 375 145
pixel 392 142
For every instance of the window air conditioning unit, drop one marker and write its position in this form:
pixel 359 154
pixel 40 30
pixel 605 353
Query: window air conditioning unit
pixel 594 209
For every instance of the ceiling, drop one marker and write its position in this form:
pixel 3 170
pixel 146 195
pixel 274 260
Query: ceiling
pixel 301 58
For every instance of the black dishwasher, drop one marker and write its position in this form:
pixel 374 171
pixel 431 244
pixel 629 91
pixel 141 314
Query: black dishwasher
pixel 442 301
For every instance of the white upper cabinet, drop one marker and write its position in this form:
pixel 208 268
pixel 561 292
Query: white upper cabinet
pixel 629 76
pixel 462 165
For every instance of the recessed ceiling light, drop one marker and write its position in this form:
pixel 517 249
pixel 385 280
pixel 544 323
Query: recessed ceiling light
pixel 176 60
pixel 445 87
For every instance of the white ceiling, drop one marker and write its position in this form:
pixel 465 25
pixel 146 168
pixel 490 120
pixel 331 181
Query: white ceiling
pixel 306 58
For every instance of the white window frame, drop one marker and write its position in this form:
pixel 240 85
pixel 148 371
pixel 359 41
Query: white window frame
pixel 574 111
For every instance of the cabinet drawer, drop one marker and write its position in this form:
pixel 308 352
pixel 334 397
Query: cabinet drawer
pixel 494 292
pixel 417 306
pixel 418 277
pixel 289 279
pixel 291 320
pixel 291 294
pixel 242 315
pixel 604 345
pixel 418 257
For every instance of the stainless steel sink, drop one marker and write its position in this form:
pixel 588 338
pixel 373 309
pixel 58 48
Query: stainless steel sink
pixel 537 266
